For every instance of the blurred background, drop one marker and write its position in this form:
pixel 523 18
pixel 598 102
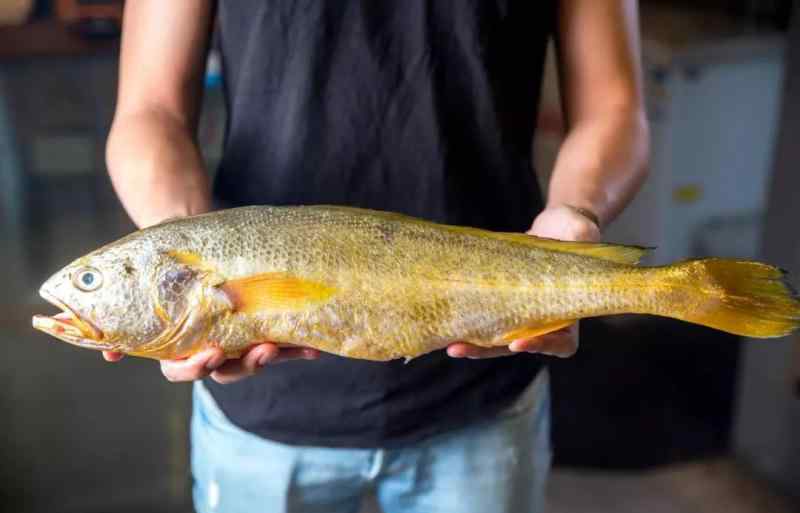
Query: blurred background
pixel 650 415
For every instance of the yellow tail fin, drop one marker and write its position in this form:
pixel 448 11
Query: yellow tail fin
pixel 738 296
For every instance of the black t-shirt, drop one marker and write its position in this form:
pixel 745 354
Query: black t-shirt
pixel 425 107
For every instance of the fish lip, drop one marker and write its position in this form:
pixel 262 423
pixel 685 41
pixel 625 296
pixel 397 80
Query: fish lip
pixel 74 329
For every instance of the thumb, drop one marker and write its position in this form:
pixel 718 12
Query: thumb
pixel 112 356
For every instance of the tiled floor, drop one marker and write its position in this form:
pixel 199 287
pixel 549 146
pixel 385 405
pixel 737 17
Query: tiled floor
pixel 709 487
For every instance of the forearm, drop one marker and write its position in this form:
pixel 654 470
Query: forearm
pixel 603 160
pixel 602 163
pixel 156 167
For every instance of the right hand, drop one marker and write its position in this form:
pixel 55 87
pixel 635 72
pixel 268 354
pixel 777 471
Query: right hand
pixel 212 362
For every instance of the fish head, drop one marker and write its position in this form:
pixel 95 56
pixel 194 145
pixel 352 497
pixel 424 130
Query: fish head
pixel 127 297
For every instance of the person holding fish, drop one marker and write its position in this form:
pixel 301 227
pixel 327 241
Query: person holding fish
pixel 421 107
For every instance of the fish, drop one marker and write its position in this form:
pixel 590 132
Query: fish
pixel 379 286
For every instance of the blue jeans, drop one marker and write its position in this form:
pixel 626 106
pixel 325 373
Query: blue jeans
pixel 498 465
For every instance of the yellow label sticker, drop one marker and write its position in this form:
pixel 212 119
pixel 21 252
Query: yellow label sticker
pixel 687 194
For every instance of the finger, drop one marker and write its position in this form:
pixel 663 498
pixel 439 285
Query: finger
pixel 112 356
pixel 274 354
pixel 246 365
pixel 464 350
pixel 230 372
pixel 558 343
pixel 196 367
pixel 295 353
pixel 527 344
pixel 458 350
pixel 257 357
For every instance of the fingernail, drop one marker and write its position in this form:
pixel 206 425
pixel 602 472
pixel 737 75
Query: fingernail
pixel 514 346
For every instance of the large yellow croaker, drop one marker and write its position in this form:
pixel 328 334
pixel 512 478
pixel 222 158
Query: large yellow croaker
pixel 379 286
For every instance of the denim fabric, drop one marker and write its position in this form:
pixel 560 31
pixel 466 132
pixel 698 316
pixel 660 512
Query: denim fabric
pixel 499 465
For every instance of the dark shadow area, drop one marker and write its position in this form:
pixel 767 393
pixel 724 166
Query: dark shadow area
pixel 644 391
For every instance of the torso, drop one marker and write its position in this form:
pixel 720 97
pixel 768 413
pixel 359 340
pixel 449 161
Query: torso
pixel 425 107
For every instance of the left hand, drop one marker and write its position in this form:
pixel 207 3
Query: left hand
pixel 563 223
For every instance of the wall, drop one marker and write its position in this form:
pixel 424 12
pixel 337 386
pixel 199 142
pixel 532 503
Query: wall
pixel 768 422
pixel 78 435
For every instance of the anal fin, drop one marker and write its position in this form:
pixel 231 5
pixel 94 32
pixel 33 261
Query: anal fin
pixel 535 331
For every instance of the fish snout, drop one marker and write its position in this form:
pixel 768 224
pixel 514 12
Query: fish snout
pixel 67 325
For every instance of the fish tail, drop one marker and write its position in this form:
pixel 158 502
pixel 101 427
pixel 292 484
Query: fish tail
pixel 738 296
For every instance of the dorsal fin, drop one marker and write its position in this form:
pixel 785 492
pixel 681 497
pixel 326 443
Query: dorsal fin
pixel 619 253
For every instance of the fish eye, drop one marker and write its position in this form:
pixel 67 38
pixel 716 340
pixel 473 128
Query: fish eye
pixel 87 279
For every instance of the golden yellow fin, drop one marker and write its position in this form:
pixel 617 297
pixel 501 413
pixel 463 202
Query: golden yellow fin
pixel 534 331
pixel 274 291
pixel 619 253
pixel 738 296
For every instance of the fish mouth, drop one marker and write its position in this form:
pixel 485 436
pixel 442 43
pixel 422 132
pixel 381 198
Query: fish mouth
pixel 69 326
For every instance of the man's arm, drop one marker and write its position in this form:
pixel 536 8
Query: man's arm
pixel 152 155
pixel 603 160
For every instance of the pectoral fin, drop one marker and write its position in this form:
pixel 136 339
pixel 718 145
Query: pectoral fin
pixel 534 331
pixel 275 291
